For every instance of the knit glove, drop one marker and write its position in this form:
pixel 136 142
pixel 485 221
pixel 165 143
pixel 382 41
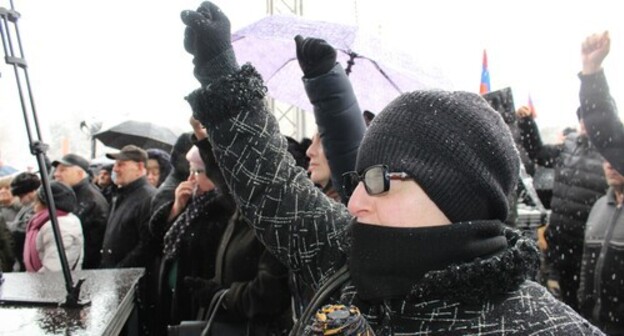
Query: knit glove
pixel 316 57
pixel 207 37
pixel 201 289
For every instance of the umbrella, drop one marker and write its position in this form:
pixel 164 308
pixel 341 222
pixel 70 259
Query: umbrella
pixel 139 133
pixel 377 75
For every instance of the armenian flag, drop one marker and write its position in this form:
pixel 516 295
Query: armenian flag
pixel 485 76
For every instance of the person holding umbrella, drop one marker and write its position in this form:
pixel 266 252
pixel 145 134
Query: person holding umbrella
pixel 422 237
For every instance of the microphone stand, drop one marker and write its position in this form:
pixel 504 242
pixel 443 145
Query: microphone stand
pixel 9 19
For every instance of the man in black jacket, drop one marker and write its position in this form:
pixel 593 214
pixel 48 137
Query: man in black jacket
pixel 92 207
pixel 579 183
pixel 601 294
pixel 127 228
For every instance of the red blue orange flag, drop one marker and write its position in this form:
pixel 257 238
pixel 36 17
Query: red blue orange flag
pixel 485 76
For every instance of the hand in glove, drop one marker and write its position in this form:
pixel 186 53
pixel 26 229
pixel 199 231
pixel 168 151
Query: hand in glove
pixel 207 37
pixel 316 56
pixel 201 289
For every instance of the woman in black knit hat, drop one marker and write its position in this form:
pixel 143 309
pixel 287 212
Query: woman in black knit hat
pixel 40 251
pixel 423 236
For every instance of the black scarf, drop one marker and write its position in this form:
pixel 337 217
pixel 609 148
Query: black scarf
pixel 198 207
pixel 386 262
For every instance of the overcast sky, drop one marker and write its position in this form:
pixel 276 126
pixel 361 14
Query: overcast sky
pixel 124 59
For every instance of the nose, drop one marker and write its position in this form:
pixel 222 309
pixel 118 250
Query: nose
pixel 360 202
pixel 314 146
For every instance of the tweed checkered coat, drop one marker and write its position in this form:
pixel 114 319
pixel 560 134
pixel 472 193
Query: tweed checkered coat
pixel 310 233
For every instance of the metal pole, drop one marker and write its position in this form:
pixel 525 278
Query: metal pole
pixel 37 147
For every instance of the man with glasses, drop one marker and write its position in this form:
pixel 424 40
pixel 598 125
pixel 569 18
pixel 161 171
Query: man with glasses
pixel 422 237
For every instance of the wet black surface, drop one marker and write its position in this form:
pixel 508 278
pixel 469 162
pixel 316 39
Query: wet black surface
pixel 110 291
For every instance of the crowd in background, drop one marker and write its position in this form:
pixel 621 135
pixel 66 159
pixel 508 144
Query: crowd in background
pixel 240 221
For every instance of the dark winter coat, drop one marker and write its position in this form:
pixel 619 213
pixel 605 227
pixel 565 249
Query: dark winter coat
pixel 7 257
pixel 127 232
pixel 600 115
pixel 579 183
pixel 309 233
pixel 92 209
pixel 195 257
pixel 339 119
pixel 258 295
pixel 601 293
pixel 258 283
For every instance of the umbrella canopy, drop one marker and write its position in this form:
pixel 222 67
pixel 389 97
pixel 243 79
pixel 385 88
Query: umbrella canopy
pixel 139 133
pixel 377 75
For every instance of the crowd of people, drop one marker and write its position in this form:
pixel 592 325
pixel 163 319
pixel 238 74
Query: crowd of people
pixel 395 223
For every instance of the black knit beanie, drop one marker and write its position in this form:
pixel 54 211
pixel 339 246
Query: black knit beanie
pixel 455 146
pixel 63 195
pixel 24 183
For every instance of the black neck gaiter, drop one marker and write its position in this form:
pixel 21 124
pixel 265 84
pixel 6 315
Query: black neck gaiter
pixel 386 262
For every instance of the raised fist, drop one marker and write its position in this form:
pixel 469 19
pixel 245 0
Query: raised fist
pixel 207 37
pixel 316 57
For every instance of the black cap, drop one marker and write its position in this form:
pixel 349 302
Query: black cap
pixel 64 197
pixel 72 160
pixel 129 153
pixel 24 183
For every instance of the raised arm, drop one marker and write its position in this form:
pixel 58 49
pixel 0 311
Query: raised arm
pixel 336 110
pixel 292 217
pixel 544 155
pixel 599 111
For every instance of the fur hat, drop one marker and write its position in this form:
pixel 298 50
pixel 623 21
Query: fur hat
pixel 24 183
pixel 454 145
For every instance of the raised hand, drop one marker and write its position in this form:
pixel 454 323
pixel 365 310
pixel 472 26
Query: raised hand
pixel 593 51
pixel 207 37
pixel 183 193
pixel 523 112
pixel 316 57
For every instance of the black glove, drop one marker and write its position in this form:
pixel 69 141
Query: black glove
pixel 201 289
pixel 207 37
pixel 316 57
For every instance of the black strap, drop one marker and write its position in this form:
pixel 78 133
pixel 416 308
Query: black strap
pixel 337 279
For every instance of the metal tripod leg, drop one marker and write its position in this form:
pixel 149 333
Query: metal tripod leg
pixel 8 26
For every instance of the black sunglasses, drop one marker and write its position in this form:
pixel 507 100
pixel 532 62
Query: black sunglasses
pixel 376 180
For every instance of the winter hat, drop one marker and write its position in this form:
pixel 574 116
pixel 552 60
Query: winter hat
pixel 72 160
pixel 24 183
pixel 454 145
pixel 194 158
pixel 163 158
pixel 64 197
pixel 5 181
pixel 129 153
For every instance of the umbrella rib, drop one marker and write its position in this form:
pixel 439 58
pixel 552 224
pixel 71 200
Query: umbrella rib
pixel 280 68
pixel 383 73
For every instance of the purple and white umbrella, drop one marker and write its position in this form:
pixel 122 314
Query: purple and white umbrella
pixel 377 75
